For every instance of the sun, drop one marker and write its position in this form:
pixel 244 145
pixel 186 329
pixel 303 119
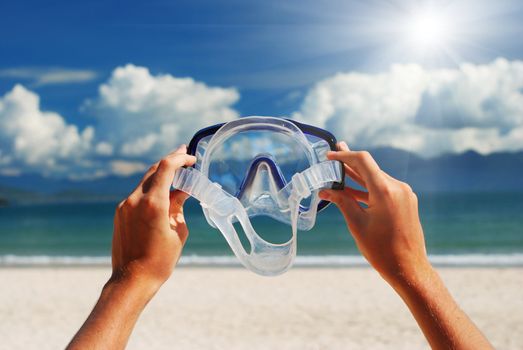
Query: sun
pixel 428 30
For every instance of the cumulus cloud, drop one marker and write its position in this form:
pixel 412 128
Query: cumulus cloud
pixel 49 76
pixel 38 141
pixel 137 117
pixel 144 116
pixel 125 168
pixel 430 112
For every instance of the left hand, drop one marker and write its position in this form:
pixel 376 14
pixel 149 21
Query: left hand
pixel 149 227
pixel 388 231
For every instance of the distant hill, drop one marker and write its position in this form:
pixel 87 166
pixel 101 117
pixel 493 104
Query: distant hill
pixel 44 185
pixel 466 172
pixel 36 188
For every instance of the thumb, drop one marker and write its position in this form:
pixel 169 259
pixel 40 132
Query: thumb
pixel 177 199
pixel 348 205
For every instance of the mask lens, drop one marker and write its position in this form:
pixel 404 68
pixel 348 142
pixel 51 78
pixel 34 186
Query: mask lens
pixel 277 156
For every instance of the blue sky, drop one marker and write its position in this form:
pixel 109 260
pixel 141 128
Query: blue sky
pixel 321 62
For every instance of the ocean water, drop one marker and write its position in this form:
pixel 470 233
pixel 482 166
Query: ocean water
pixel 476 229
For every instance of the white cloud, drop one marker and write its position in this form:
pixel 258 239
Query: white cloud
pixel 139 117
pixel 49 76
pixel 104 149
pixel 125 168
pixel 478 107
pixel 145 116
pixel 38 141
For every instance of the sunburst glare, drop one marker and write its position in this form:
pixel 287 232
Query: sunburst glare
pixel 428 30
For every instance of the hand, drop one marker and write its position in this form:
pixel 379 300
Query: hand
pixel 149 234
pixel 149 227
pixel 388 232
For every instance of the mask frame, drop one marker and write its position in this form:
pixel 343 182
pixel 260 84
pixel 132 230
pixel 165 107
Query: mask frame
pixel 305 128
pixel 223 207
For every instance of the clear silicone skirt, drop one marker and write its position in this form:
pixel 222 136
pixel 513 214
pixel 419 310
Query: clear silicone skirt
pixel 261 166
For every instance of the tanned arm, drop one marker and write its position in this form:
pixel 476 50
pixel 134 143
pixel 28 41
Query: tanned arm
pixel 388 233
pixel 149 234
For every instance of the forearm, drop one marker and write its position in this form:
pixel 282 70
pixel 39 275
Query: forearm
pixel 112 320
pixel 440 318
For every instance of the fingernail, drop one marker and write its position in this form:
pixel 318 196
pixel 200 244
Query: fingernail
pixel 344 144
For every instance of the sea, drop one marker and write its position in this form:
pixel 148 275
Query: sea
pixel 461 229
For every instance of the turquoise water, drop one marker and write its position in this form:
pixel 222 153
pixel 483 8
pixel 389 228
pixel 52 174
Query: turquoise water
pixel 454 224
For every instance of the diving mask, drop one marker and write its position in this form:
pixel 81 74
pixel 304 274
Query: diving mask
pixel 261 166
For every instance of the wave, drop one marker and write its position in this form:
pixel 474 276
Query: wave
pixel 473 260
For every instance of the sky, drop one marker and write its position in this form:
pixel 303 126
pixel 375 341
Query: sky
pixel 99 88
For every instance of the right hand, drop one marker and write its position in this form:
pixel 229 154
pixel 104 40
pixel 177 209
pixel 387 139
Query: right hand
pixel 149 226
pixel 388 232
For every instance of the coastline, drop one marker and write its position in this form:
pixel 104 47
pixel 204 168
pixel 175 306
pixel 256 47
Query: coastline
pixel 325 261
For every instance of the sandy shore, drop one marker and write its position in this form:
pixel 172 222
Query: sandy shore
pixel 231 308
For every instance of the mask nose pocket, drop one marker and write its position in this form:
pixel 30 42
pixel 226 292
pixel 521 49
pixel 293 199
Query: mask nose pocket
pixel 261 185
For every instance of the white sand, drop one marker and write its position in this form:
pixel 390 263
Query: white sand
pixel 231 308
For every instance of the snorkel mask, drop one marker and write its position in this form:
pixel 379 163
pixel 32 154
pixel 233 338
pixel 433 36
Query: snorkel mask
pixel 260 166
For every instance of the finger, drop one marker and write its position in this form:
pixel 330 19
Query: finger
pixel 161 181
pixel 344 200
pixel 353 175
pixel 182 149
pixel 342 146
pixel 360 196
pixel 347 204
pixel 363 165
pixel 177 199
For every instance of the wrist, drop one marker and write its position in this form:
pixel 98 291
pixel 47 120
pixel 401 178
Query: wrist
pixel 134 285
pixel 415 275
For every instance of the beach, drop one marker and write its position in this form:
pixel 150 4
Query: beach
pixel 232 308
